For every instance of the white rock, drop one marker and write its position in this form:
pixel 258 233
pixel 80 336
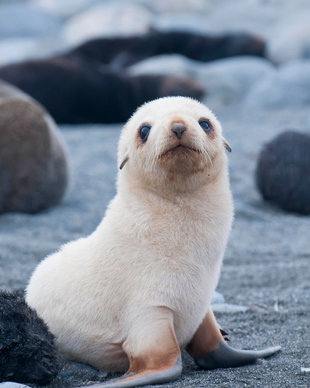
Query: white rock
pixel 112 19
pixel 286 88
pixel 305 370
pixel 183 22
pixel 173 64
pixel 13 50
pixel 291 41
pixel 228 80
pixel 17 49
pixel 22 19
pixel 176 6
pixel 63 8
pixel 217 298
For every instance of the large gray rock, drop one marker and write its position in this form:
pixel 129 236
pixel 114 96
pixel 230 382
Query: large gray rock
pixel 111 19
pixel 33 161
pixel 285 88
pixel 23 19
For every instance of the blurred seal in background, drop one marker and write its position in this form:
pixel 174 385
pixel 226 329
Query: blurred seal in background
pixel 283 172
pixel 90 84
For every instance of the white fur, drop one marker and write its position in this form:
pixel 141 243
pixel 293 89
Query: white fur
pixel 160 243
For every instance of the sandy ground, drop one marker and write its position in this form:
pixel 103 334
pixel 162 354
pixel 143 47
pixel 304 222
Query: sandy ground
pixel 266 265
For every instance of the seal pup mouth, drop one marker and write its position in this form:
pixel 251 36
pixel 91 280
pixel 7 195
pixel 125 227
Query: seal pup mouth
pixel 180 148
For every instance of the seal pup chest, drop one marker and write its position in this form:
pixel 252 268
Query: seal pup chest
pixel 173 260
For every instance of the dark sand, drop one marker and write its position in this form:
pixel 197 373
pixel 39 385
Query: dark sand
pixel 266 264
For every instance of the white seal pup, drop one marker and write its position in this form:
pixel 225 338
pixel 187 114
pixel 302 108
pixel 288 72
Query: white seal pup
pixel 138 289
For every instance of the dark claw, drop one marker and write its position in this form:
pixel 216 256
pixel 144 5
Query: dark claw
pixel 224 334
pixel 226 357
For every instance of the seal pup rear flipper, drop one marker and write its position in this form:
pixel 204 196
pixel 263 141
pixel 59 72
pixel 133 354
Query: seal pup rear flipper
pixel 210 350
pixel 227 357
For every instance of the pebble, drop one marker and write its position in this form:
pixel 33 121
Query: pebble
pixel 228 308
pixel 217 298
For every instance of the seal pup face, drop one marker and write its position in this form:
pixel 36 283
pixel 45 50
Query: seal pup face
pixel 172 140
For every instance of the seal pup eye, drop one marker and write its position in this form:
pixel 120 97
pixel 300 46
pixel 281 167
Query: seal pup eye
pixel 205 125
pixel 144 132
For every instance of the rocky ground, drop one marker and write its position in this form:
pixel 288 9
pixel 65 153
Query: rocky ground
pixel 266 267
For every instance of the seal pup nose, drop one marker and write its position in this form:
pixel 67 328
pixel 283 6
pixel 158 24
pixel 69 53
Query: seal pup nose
pixel 178 129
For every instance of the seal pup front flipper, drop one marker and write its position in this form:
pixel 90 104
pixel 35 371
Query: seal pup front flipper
pixel 152 349
pixel 210 351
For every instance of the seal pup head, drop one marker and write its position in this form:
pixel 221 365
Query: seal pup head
pixel 172 140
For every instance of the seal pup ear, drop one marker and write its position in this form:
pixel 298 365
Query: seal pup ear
pixel 226 145
pixel 124 162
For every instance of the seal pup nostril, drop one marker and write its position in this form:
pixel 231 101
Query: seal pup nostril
pixel 178 129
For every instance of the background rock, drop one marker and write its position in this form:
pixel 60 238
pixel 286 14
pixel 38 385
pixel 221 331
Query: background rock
pixel 287 87
pixel 291 40
pixel 110 19
pixel 176 6
pixel 63 8
pixel 22 19
pixel 283 172
pixel 173 64
pixel 228 81
pixel 33 161
pixel 10 384
pixel 17 49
